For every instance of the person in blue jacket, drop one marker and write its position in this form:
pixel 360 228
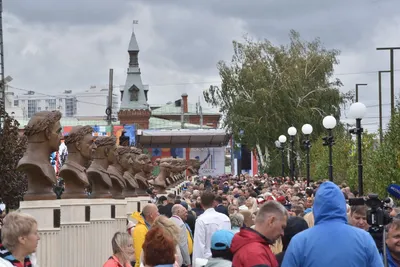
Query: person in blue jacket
pixel 331 242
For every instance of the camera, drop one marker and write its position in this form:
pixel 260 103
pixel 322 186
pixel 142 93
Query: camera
pixel 377 216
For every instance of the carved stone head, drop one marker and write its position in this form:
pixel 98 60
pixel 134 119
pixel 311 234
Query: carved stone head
pixel 123 157
pixel 105 148
pixel 146 164
pixel 44 127
pixel 80 140
pixel 136 164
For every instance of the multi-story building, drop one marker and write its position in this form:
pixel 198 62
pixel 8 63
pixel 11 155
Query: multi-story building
pixel 31 102
pixel 90 104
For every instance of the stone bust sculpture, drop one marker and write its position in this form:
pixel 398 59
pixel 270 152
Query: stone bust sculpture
pixel 80 147
pixel 117 169
pixel 160 182
pixel 129 175
pixel 97 173
pixel 144 175
pixel 44 136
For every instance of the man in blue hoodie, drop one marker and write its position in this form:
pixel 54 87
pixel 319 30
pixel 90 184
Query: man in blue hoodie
pixel 331 242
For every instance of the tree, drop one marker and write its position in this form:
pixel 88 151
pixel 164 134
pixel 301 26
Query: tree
pixel 267 88
pixel 383 165
pixel 12 147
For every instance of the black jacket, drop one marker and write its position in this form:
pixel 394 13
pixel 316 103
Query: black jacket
pixel 166 210
pixel 222 209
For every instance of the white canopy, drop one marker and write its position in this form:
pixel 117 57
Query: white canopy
pixel 182 138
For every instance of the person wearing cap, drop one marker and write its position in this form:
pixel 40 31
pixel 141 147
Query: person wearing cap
pixel 220 249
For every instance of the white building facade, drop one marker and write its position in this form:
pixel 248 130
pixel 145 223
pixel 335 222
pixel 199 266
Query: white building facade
pixel 90 104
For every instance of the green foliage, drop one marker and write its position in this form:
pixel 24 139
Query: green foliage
pixel 13 184
pixel 383 167
pixel 341 156
pixel 266 88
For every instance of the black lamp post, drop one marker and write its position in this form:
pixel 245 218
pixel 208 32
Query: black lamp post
pixel 292 131
pixel 281 143
pixel 329 123
pixel 357 111
pixel 307 130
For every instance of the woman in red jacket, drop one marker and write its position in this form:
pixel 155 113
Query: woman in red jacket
pixel 123 251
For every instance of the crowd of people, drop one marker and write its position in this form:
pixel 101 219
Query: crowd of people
pixel 237 221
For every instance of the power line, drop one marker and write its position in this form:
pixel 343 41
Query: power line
pixel 54 96
pixel 211 82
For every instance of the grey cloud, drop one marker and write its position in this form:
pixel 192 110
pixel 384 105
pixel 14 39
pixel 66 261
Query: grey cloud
pixel 72 12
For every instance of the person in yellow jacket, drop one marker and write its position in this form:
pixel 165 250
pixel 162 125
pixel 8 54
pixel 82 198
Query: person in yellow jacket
pixel 144 221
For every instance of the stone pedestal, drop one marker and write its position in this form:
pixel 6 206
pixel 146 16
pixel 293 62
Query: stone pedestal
pixel 75 222
pixel 101 230
pixel 143 200
pixel 131 205
pixel 47 214
pixel 120 215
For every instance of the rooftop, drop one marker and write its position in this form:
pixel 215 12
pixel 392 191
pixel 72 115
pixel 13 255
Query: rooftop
pixel 155 123
pixel 172 109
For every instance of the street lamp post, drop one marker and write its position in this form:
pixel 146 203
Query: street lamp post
pixel 307 130
pixel 292 131
pixel 329 123
pixel 282 140
pixel 357 111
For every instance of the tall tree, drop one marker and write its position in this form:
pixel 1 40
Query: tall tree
pixel 13 184
pixel 267 88
pixel 383 165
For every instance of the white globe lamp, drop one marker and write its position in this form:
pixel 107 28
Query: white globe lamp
pixel 292 131
pixel 282 139
pixel 357 110
pixel 329 122
pixel 307 129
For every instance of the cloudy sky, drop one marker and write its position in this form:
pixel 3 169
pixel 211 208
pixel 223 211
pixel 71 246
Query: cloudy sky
pixel 54 45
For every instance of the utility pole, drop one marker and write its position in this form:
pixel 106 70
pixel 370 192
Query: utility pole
pixel 182 115
pixel 2 82
pixel 199 111
pixel 110 97
pixel 357 85
pixel 391 49
pixel 380 104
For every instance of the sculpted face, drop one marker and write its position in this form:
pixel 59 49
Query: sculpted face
pixel 87 146
pixel 111 154
pixel 125 161
pixel 148 166
pixel 55 136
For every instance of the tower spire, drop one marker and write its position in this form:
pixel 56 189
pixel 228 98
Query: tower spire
pixel 133 44
pixel 134 106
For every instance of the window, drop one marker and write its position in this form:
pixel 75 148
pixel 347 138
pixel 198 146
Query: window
pixel 70 107
pixel 39 109
pixel 32 107
pixel 16 103
pixel 51 103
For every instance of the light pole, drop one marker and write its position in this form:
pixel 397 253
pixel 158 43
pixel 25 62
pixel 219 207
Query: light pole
pixel 329 123
pixel 357 111
pixel 357 85
pixel 282 140
pixel 307 130
pixel 380 104
pixel 292 131
pixel 392 94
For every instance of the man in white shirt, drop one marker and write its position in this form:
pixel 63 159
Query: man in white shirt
pixel 206 225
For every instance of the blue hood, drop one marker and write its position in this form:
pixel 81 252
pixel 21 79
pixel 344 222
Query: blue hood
pixel 329 204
